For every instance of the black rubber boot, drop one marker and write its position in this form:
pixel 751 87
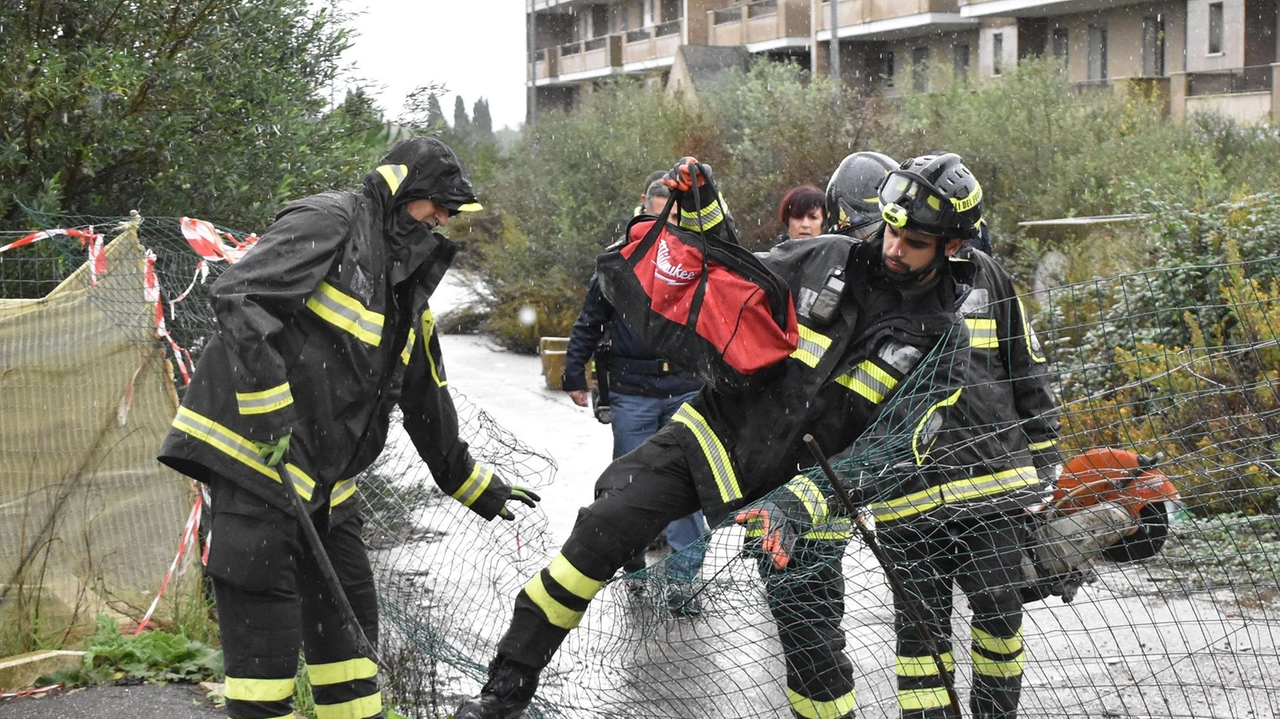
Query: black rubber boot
pixel 505 696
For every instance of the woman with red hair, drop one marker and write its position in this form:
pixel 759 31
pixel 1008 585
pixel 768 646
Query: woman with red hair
pixel 802 213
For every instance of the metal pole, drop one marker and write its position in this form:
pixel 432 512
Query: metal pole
pixel 349 620
pixel 533 64
pixel 813 37
pixel 895 582
pixel 835 48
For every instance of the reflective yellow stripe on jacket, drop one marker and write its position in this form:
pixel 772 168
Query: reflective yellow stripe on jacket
pixel 474 485
pixel 922 439
pixel 717 457
pixel 811 347
pixel 346 313
pixel 982 333
pixel 265 401
pixel 704 219
pixel 428 328
pixel 238 448
pixel 869 380
pixel 961 490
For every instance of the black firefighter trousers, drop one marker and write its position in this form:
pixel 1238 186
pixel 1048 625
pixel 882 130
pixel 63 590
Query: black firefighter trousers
pixel 640 493
pixel 983 556
pixel 272 600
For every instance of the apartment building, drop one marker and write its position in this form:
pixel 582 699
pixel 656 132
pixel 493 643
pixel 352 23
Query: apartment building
pixel 1194 54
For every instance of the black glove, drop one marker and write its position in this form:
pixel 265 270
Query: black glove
pixel 520 494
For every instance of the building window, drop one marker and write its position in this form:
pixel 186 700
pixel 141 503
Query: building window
pixel 960 60
pixel 1215 28
pixel 920 69
pixel 885 71
pixel 1153 46
pixel 1061 45
pixel 997 53
pixel 1097 52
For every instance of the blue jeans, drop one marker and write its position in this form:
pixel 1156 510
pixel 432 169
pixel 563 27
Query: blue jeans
pixel 635 418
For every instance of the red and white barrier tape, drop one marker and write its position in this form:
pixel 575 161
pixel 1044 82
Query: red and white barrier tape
pixel 188 533
pixel 29 692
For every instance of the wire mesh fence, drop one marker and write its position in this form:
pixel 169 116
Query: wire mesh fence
pixel 1175 369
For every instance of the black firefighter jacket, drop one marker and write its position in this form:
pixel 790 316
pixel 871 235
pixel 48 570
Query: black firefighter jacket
pixel 999 437
pixel 886 361
pixel 316 340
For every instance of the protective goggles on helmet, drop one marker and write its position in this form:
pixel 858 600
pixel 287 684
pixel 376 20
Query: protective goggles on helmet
pixel 906 198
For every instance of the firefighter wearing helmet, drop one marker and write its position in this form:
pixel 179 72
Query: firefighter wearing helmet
pixel 965 524
pixel 853 209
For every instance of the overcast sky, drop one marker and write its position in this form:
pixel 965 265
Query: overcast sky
pixel 474 47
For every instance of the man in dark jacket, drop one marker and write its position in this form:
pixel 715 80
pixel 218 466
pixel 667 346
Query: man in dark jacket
pixel 865 337
pixel 645 389
pixel 322 328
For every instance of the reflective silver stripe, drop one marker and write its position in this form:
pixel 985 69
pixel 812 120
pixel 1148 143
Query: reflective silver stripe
pixel 408 346
pixel 342 491
pixel 982 333
pixel 960 490
pixel 870 381
pixel 1033 344
pixel 705 219
pixel 811 346
pixel 474 486
pixel 717 458
pixel 302 484
pixel 807 492
pixel 346 313
pixel 268 400
pixel 393 175
pixel 223 440
pixel 238 448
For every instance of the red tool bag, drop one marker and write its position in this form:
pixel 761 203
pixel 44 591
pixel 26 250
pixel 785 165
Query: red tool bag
pixel 709 305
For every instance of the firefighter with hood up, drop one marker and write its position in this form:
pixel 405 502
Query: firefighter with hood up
pixel 322 329
pixel 879 350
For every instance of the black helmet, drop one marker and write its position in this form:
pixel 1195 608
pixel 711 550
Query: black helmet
pixel 851 194
pixel 933 194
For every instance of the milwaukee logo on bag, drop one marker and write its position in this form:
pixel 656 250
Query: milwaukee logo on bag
pixel 709 305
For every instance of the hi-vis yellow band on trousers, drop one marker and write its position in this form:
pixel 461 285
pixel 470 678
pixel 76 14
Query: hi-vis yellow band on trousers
pixel 717 457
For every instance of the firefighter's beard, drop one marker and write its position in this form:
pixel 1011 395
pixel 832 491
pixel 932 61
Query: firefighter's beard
pixel 911 278
pixel 410 243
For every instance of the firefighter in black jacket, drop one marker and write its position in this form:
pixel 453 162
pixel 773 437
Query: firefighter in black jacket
pixel 644 389
pixel 864 337
pixel 322 328
pixel 1008 402
pixel 963 521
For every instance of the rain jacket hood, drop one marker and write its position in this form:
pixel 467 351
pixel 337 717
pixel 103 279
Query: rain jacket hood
pixel 416 169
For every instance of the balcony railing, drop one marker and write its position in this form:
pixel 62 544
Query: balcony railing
pixel 597 53
pixel 652 43
pixel 759 21
pixel 857 12
pixel 1230 82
